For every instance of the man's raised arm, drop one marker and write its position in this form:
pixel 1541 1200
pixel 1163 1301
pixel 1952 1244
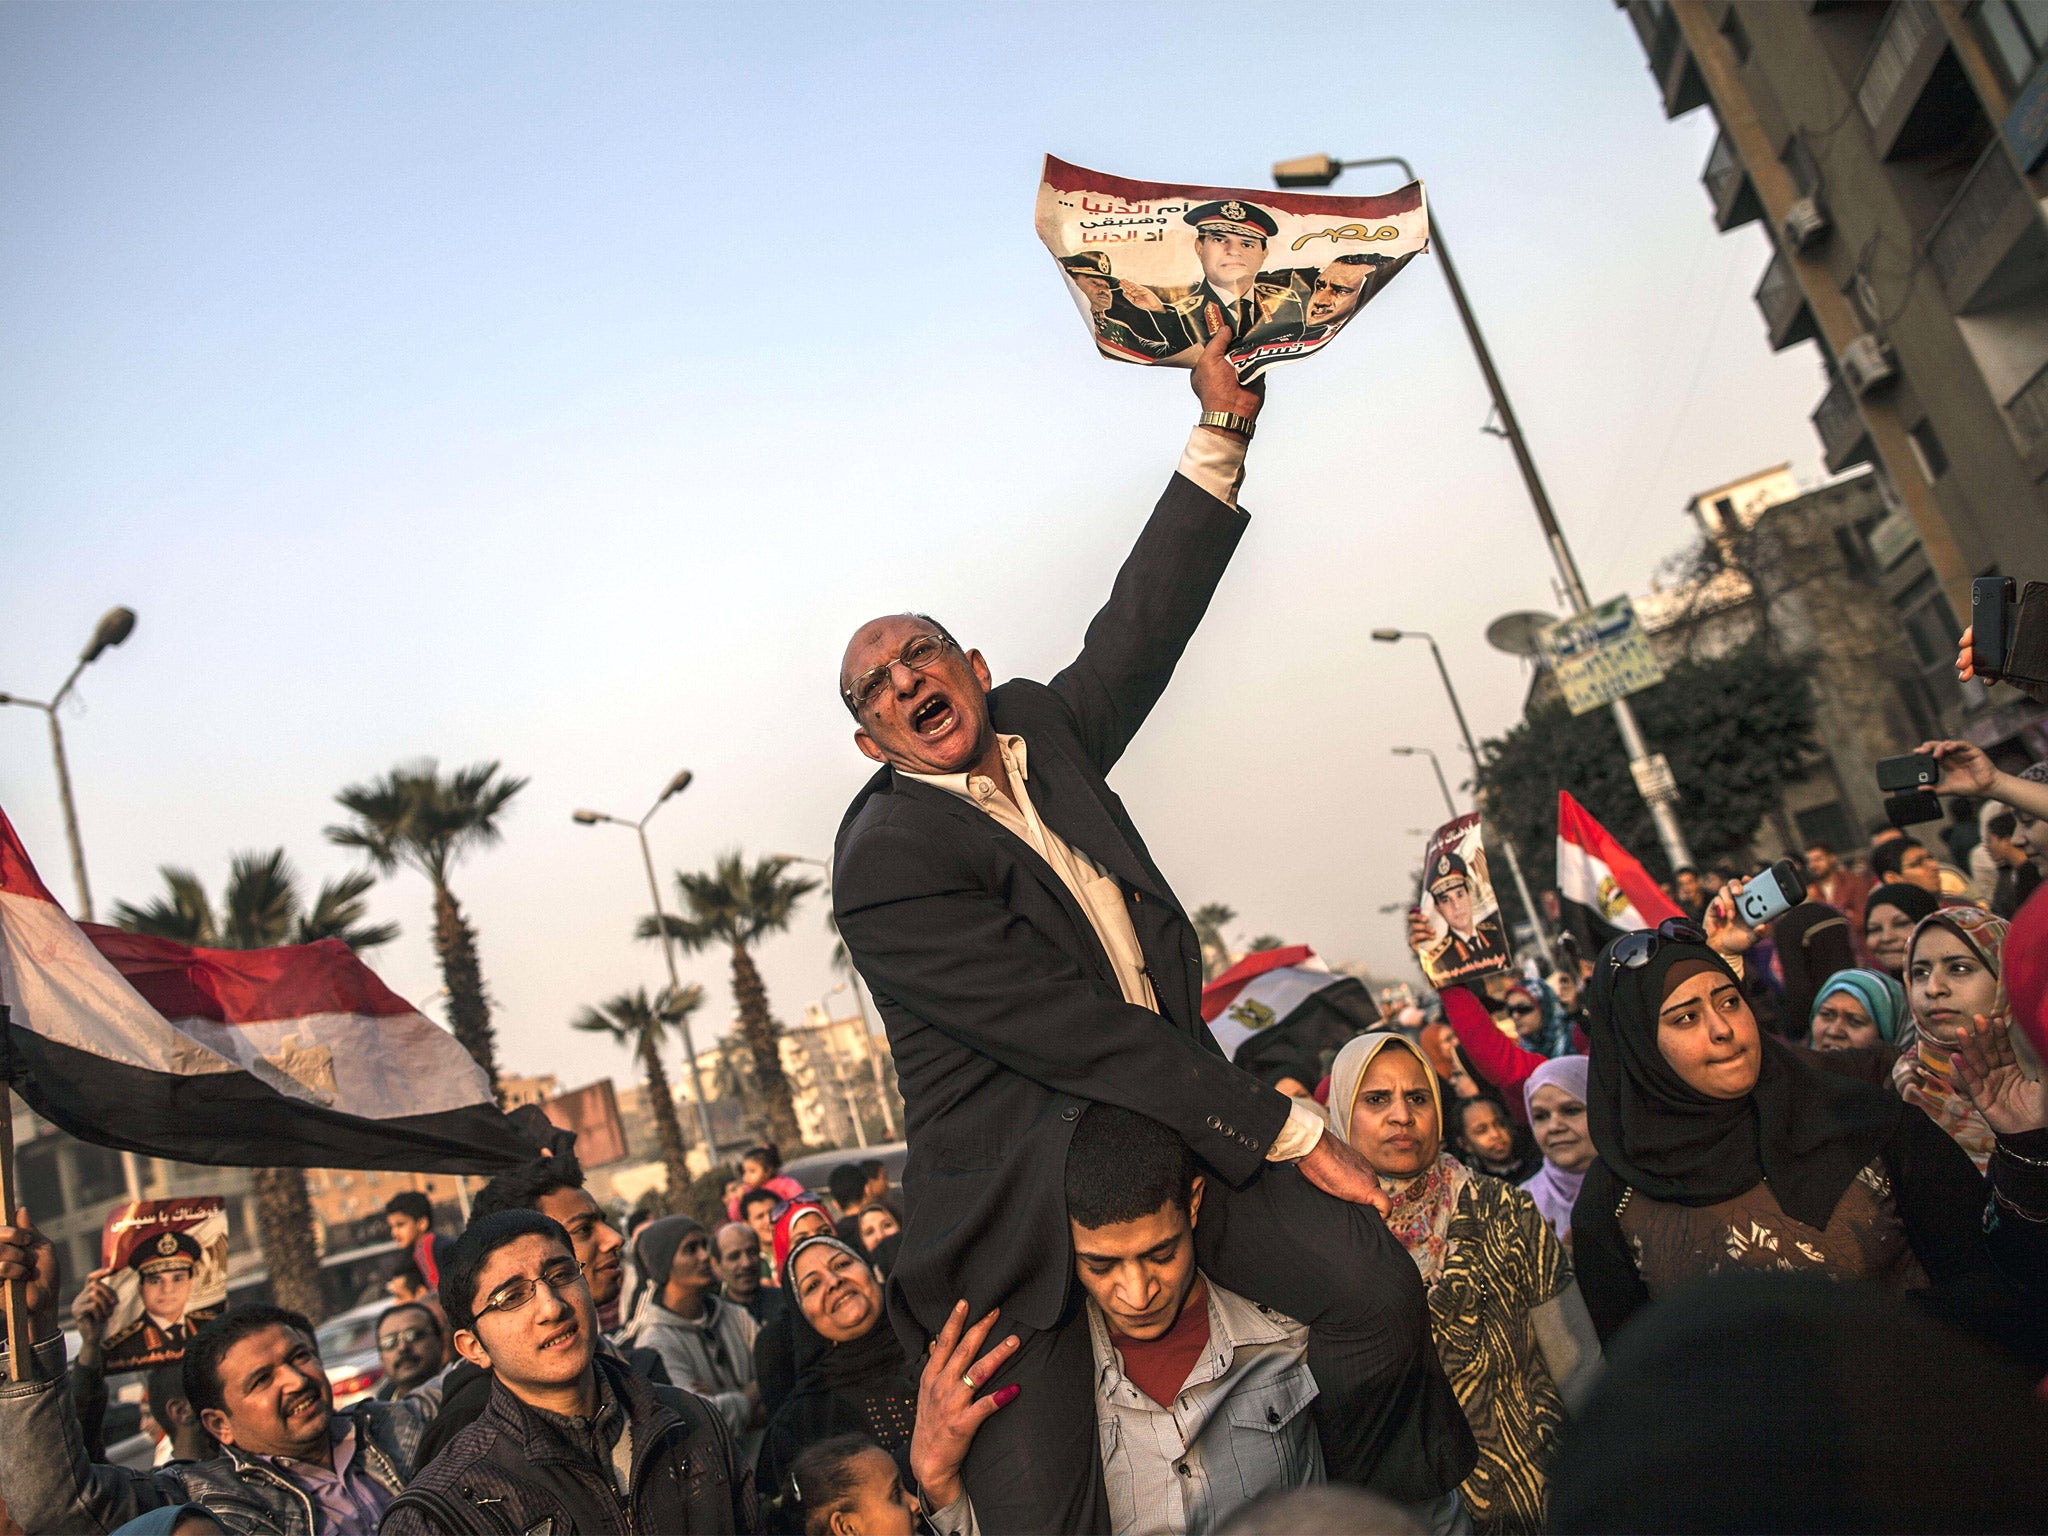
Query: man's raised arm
pixel 1134 643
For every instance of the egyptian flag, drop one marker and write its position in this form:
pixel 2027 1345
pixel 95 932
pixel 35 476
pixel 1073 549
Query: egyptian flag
pixel 291 1057
pixel 1613 892
pixel 1282 1013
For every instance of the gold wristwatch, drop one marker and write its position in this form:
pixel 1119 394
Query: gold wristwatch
pixel 1229 421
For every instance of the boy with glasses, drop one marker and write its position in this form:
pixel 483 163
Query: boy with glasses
pixel 571 1440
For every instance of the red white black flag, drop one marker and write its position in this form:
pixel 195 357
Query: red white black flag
pixel 290 1057
pixel 1602 876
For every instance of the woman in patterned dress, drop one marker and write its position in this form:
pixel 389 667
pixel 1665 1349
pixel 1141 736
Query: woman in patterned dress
pixel 1510 1326
pixel 1722 1147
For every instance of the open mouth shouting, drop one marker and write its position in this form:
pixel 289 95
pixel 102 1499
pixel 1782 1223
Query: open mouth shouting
pixel 934 716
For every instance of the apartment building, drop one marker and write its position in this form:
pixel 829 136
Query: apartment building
pixel 1894 151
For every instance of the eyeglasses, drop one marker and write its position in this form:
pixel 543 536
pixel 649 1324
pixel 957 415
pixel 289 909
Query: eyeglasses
pixel 1634 949
pixel 408 1336
pixel 917 654
pixel 557 1275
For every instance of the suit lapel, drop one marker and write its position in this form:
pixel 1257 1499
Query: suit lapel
pixel 982 824
pixel 1068 804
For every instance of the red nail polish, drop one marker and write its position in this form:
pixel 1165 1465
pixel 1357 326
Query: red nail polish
pixel 1008 1395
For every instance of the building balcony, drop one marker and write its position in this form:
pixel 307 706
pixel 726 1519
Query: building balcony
pixel 1783 301
pixel 2028 412
pixel 1728 186
pixel 1989 245
pixel 1671 62
pixel 1896 77
pixel 1844 438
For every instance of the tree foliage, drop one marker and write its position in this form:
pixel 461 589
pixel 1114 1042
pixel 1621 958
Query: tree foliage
pixel 415 816
pixel 737 904
pixel 642 1027
pixel 1736 730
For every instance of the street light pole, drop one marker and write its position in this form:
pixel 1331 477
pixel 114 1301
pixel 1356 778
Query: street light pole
pixel 115 625
pixel 1393 636
pixel 1441 782
pixel 676 786
pixel 1321 171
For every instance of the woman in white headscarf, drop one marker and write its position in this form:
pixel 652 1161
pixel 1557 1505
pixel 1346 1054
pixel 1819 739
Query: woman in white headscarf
pixel 1511 1329
pixel 1555 1096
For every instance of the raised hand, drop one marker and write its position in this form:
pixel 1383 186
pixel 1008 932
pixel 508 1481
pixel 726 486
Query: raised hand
pixel 90 1307
pixel 1965 770
pixel 948 1411
pixel 25 1254
pixel 1215 379
pixel 1420 934
pixel 1989 1071
pixel 1334 1168
pixel 1727 933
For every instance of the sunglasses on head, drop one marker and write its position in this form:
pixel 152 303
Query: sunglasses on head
pixel 1633 950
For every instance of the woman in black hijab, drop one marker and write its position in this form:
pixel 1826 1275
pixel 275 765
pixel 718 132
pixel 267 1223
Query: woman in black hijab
pixel 852 1377
pixel 1890 914
pixel 1723 1148
pixel 1813 943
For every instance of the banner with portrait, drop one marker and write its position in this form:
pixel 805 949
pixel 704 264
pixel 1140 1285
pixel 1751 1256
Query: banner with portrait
pixel 1153 265
pixel 166 1262
pixel 1467 936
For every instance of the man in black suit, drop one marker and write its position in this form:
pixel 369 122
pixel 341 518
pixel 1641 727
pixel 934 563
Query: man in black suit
pixel 1029 958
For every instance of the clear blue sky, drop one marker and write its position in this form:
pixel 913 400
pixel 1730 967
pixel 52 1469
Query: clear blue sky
pixel 395 363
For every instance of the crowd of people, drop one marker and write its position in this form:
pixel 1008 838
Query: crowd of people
pixel 1694 1230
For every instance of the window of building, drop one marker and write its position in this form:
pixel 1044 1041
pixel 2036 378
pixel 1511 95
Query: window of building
pixel 1928 450
pixel 1738 38
pixel 1931 627
pixel 2016 32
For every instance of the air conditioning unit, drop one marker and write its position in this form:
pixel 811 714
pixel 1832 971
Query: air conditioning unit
pixel 1867 364
pixel 1805 224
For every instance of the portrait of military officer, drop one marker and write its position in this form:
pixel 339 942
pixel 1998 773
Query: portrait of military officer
pixel 164 1264
pixel 1336 292
pixel 1230 241
pixel 1467 948
pixel 1127 316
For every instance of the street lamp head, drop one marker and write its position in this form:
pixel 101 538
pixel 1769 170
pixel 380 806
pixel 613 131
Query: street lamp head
pixel 1386 636
pixel 115 625
pixel 677 785
pixel 587 818
pixel 1404 751
pixel 1307 171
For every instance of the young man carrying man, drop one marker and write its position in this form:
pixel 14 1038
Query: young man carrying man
pixel 571 1439
pixel 291 1464
pixel 1030 958
pixel 1200 1395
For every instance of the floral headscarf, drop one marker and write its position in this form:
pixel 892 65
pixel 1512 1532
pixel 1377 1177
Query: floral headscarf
pixel 1422 1208
pixel 1925 1073
pixel 1553 1036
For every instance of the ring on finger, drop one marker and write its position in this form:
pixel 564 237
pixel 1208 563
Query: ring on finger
pixel 970 1383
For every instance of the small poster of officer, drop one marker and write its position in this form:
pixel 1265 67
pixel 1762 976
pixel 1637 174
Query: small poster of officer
pixel 1468 939
pixel 1157 268
pixel 166 1265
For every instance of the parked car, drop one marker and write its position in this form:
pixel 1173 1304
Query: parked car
pixel 813 1170
pixel 348 1349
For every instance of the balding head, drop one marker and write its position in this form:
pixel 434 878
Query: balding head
pixel 930 718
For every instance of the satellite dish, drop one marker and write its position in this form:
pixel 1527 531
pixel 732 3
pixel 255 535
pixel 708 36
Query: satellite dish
pixel 1520 633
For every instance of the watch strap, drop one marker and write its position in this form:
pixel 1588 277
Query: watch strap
pixel 1229 421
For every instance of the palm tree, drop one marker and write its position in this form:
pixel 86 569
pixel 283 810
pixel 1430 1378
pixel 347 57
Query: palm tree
pixel 642 1027
pixel 415 817
pixel 262 907
pixel 736 904
pixel 1209 921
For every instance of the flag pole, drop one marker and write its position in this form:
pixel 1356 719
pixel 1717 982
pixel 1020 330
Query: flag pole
pixel 13 1293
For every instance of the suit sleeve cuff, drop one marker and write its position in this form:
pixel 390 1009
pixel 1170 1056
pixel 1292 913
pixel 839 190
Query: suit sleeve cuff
pixel 1214 460
pixel 1298 1137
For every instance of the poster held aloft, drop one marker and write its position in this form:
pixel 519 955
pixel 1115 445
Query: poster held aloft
pixel 166 1261
pixel 1151 263
pixel 1467 940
